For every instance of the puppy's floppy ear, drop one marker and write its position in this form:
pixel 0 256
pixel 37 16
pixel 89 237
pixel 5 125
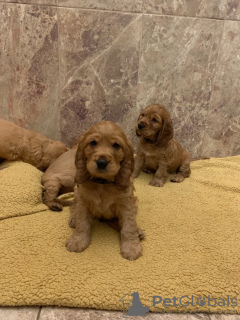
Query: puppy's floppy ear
pixel 136 128
pixel 166 132
pixel 82 174
pixel 137 131
pixel 123 176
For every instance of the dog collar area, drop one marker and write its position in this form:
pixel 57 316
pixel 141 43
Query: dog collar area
pixel 150 141
pixel 101 180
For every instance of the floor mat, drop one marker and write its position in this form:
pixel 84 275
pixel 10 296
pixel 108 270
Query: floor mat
pixel 191 254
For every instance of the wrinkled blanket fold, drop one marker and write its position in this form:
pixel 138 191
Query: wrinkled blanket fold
pixel 192 246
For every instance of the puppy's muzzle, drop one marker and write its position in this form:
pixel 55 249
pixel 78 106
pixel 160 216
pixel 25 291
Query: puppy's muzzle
pixel 102 163
pixel 141 125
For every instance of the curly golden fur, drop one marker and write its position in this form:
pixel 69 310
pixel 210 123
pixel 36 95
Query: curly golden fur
pixel 158 152
pixel 17 143
pixel 105 163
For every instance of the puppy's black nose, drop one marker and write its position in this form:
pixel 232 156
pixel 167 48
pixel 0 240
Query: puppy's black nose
pixel 102 163
pixel 140 125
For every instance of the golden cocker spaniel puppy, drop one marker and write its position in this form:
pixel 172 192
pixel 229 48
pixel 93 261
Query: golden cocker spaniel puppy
pixel 17 143
pixel 105 163
pixel 158 152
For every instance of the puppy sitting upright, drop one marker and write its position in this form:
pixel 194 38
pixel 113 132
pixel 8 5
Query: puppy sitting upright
pixel 158 151
pixel 105 163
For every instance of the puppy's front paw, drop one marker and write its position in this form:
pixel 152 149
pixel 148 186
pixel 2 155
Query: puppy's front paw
pixel 177 178
pixel 156 183
pixel 141 234
pixel 54 206
pixel 77 243
pixel 134 175
pixel 131 250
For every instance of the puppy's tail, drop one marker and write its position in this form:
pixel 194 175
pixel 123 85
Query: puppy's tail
pixel 64 203
pixel 199 158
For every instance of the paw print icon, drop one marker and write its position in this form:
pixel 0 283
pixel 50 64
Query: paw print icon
pixel 201 301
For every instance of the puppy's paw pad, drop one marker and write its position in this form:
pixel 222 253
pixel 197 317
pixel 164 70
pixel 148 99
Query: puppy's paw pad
pixel 54 206
pixel 177 178
pixel 131 251
pixel 156 183
pixel 134 175
pixel 141 234
pixel 76 244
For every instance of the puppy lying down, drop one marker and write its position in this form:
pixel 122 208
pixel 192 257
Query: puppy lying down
pixel 158 152
pixel 58 179
pixel 17 143
pixel 104 163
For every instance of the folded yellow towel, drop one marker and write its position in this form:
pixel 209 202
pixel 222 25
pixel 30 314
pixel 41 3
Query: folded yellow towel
pixel 21 190
pixel 192 246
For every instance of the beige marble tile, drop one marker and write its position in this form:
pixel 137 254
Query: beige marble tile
pixel 218 9
pixel 40 2
pixel 233 10
pixel 114 5
pixel 32 52
pixel 222 133
pixel 224 317
pixel 61 313
pixel 109 315
pixel 5 69
pixel 179 316
pixel 158 6
pixel 177 67
pixel 19 313
pixel 99 55
pixel 56 313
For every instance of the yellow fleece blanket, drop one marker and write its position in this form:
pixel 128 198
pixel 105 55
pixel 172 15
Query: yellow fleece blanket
pixel 191 254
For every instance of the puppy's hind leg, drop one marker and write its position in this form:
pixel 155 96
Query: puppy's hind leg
pixel 50 194
pixel 183 171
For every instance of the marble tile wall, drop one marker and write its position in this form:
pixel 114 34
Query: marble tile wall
pixel 67 64
pixel 30 67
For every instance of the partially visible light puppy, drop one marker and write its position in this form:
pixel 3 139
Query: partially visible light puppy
pixel 158 152
pixel 17 143
pixel 58 179
pixel 105 162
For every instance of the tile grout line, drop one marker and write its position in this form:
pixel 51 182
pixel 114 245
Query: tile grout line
pixel 73 7
pixel 189 17
pixel 39 312
pixel 123 12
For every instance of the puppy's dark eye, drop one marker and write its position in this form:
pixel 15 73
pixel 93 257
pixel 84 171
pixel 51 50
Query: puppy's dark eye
pixel 93 143
pixel 116 146
pixel 154 120
pixel 142 114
